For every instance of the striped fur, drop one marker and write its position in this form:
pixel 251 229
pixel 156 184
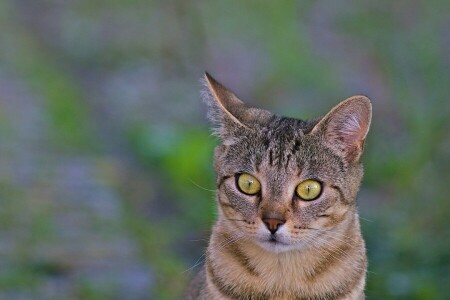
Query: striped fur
pixel 318 252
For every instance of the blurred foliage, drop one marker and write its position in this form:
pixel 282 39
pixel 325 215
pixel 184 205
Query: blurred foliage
pixel 116 82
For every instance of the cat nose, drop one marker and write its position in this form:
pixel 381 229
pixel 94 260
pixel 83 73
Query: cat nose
pixel 273 224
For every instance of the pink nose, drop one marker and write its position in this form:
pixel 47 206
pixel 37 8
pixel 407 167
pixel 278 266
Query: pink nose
pixel 273 224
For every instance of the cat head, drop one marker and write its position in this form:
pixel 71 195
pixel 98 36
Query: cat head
pixel 284 183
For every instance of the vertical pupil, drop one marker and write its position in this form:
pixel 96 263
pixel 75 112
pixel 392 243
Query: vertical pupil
pixel 308 188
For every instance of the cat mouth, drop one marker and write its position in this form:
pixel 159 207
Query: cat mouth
pixel 274 245
pixel 273 240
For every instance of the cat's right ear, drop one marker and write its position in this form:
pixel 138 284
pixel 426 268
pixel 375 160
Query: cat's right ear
pixel 227 113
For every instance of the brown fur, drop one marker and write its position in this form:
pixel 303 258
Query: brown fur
pixel 319 252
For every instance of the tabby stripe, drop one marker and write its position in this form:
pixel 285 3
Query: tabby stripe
pixel 242 259
pixel 231 291
pixel 270 158
pixel 327 264
pixel 221 181
pixel 226 204
pixel 222 287
pixel 288 158
pixel 351 287
pixel 340 193
pixel 343 292
pixel 347 287
pixel 296 147
pixel 223 203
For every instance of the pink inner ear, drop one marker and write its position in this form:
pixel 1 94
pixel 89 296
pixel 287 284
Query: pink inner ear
pixel 350 129
pixel 347 126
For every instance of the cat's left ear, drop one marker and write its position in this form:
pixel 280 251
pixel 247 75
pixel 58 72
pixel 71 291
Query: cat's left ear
pixel 346 126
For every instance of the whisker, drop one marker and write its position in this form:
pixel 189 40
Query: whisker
pixel 330 234
pixel 230 241
pixel 239 220
pixel 335 250
pixel 365 219
pixel 222 245
pixel 199 261
pixel 333 232
pixel 328 243
pixel 199 186
pixel 199 240
pixel 330 246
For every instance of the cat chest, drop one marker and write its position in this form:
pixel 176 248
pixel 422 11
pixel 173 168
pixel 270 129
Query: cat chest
pixel 277 278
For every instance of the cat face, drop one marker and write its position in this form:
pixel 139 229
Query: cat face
pixel 283 183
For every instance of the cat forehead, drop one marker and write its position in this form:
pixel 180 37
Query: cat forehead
pixel 281 131
pixel 274 131
pixel 284 125
pixel 278 145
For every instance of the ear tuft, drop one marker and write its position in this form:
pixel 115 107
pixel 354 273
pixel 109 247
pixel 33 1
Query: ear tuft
pixel 227 112
pixel 219 101
pixel 346 126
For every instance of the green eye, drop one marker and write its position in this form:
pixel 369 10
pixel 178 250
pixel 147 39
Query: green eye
pixel 248 184
pixel 309 189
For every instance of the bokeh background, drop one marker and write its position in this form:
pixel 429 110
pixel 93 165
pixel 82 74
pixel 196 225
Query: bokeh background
pixel 105 154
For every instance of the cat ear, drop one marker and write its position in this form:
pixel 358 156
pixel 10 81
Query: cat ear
pixel 227 112
pixel 346 126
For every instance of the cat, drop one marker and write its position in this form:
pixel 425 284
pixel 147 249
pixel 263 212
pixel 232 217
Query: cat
pixel 287 225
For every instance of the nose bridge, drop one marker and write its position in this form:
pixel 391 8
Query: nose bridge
pixel 276 198
pixel 273 210
pixel 276 201
pixel 276 188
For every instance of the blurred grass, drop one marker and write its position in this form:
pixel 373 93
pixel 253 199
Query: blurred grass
pixel 35 64
pixel 70 56
pixel 182 160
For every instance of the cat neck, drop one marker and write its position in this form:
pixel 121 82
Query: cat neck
pixel 309 271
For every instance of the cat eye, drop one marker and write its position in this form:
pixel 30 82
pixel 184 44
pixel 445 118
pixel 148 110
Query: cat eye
pixel 248 184
pixel 309 190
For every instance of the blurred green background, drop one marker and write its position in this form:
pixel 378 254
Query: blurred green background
pixel 105 153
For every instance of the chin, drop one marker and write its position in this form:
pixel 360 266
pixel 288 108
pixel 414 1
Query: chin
pixel 278 246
